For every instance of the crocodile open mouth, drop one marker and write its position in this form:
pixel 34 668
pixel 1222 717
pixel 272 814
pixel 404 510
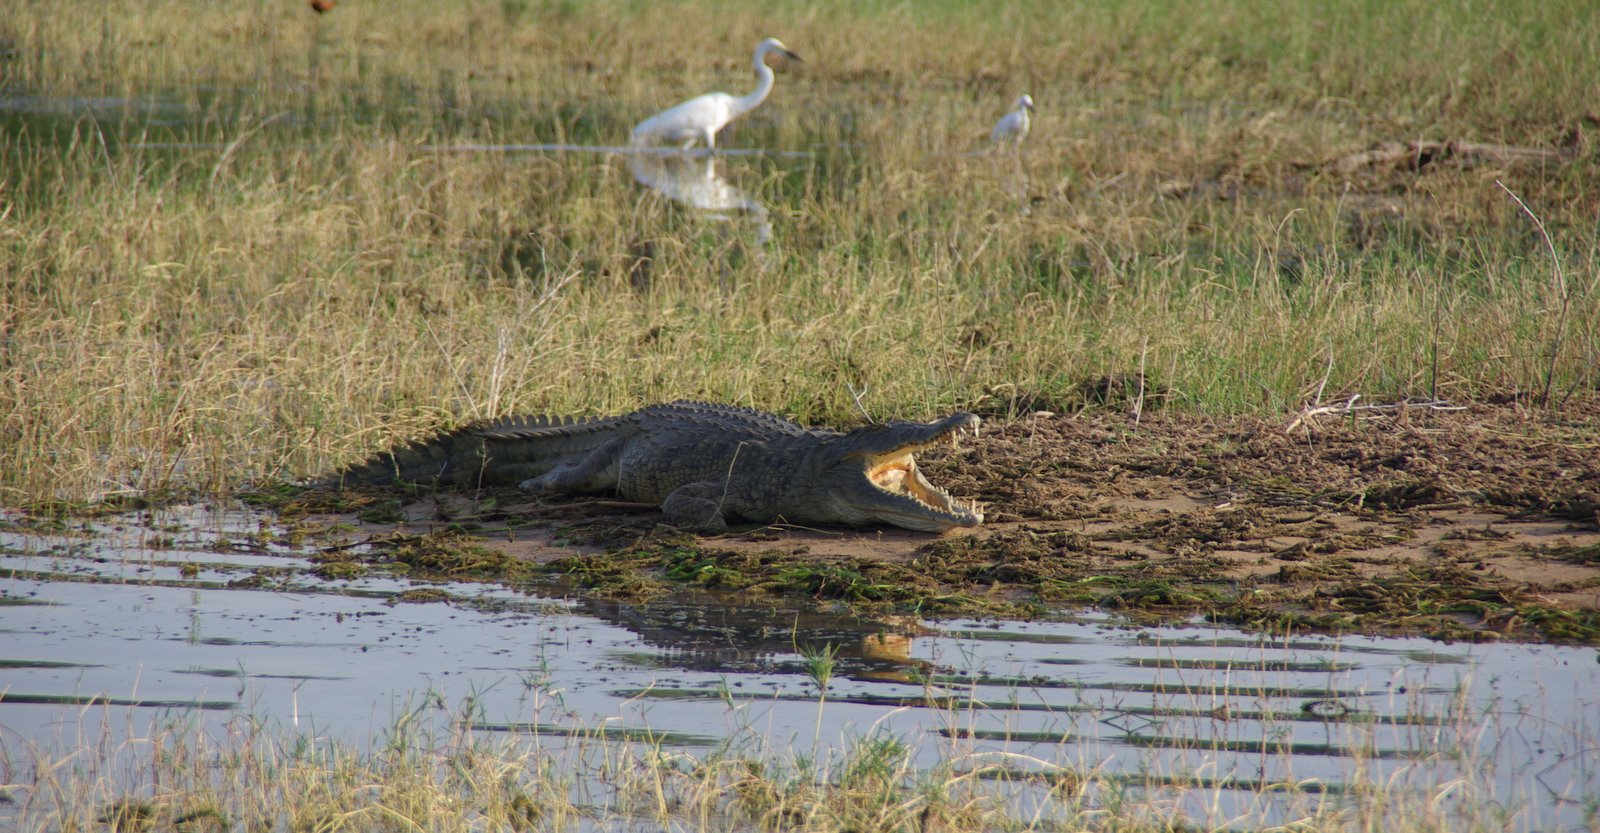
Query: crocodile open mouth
pixel 898 474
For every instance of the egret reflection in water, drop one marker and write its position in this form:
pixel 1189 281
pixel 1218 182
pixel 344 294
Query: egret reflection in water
pixel 697 184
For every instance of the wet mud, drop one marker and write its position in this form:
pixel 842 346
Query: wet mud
pixel 1477 524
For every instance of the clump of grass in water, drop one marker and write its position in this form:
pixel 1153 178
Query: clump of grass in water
pixel 819 664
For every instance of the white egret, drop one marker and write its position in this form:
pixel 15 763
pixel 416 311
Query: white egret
pixel 699 119
pixel 1013 126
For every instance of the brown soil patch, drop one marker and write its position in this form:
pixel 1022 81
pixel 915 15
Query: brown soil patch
pixel 1470 524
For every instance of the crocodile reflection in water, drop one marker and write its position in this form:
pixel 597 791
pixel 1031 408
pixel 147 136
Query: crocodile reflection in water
pixel 697 184
pixel 714 632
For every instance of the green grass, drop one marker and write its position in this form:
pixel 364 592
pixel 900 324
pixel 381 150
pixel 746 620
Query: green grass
pixel 312 282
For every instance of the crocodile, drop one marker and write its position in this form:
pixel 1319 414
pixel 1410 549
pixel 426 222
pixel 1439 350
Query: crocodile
pixel 703 464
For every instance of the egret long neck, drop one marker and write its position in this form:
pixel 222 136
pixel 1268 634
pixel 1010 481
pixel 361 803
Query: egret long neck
pixel 764 78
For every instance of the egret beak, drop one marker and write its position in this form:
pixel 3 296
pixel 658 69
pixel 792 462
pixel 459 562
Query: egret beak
pixel 1029 105
pixel 793 57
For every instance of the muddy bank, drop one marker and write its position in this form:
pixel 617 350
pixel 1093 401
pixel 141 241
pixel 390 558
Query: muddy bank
pixel 1482 523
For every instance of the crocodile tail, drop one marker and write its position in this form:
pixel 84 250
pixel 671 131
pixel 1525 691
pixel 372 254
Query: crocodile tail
pixel 503 452
pixel 453 459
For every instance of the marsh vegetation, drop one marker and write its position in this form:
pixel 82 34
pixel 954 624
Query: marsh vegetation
pixel 243 242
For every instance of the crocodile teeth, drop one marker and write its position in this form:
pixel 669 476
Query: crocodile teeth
pixel 899 476
pixel 897 473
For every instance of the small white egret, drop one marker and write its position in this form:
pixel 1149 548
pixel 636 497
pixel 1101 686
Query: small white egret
pixel 699 119
pixel 1013 126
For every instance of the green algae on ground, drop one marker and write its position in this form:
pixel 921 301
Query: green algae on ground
pixel 454 555
pixel 1449 601
pixel 649 570
pixel 340 570
pixel 1566 552
pixel 661 564
pixel 1168 571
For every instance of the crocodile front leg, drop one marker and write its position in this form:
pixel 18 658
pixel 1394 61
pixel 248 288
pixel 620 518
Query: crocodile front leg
pixel 697 506
pixel 596 472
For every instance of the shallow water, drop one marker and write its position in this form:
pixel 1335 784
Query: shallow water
pixel 204 615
